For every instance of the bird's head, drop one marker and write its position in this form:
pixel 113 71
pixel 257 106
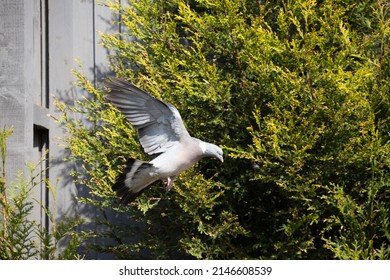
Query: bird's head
pixel 211 150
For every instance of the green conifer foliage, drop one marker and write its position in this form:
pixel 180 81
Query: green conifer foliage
pixel 297 92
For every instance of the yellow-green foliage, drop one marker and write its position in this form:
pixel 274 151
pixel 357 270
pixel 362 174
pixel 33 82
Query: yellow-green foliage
pixel 21 237
pixel 297 92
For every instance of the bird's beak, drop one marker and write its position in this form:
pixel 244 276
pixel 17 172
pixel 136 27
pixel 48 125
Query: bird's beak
pixel 221 159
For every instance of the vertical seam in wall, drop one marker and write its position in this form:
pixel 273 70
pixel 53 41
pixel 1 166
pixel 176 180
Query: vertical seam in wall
pixel 42 58
pixel 94 43
pixel 46 135
pixel 47 56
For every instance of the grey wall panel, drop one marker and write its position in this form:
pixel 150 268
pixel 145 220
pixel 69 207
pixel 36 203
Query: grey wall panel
pixel 40 41
pixel 13 111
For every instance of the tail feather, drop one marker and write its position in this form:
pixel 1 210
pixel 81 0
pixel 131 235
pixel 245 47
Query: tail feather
pixel 134 179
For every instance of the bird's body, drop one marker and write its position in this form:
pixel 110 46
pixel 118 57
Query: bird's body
pixel 162 134
pixel 177 164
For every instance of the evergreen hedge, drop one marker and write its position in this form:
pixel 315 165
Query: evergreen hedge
pixel 296 92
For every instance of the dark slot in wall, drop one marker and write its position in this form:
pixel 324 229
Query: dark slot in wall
pixel 41 151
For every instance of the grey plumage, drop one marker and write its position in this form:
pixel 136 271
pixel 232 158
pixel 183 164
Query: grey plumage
pixel 162 134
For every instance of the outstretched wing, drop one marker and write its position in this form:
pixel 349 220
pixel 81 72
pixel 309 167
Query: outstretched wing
pixel 159 124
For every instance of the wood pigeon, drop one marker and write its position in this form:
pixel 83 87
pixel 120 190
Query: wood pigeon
pixel 162 134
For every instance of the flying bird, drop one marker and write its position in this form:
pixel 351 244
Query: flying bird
pixel 161 133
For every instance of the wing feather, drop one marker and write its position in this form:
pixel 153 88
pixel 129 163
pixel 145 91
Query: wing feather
pixel 159 124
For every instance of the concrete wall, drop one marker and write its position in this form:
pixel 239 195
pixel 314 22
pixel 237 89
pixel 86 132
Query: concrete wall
pixel 39 43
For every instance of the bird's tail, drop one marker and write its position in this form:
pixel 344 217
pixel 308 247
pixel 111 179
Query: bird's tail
pixel 135 178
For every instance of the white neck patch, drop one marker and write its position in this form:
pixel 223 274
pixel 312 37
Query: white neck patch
pixel 203 147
